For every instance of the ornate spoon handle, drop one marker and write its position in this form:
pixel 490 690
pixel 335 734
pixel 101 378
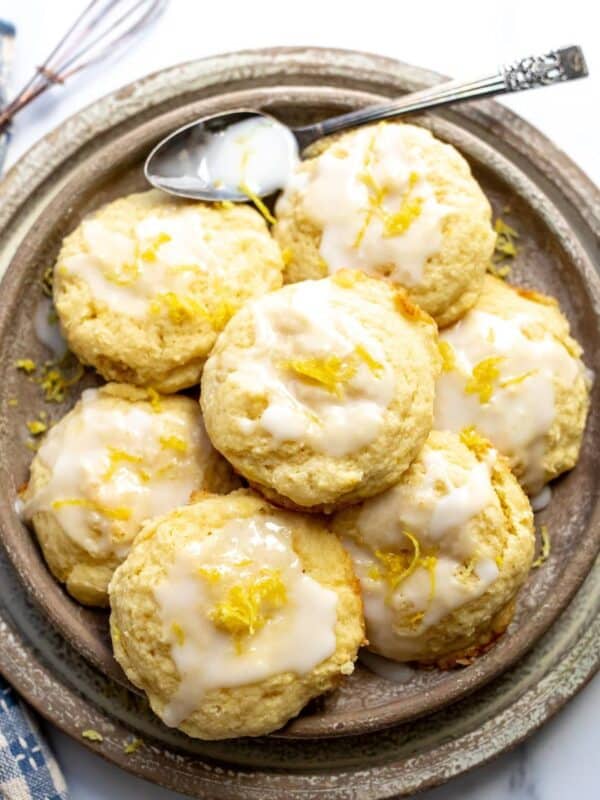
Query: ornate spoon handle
pixel 527 73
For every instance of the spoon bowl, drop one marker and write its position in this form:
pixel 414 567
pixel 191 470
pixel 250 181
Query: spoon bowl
pixel 225 157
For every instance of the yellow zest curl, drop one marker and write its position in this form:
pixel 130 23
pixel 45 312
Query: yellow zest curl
pixel 257 202
pixel 36 426
pixel 178 633
pixel 396 567
pixel 483 378
pixel 474 441
pixel 26 365
pixel 448 356
pixel 174 443
pixel 245 609
pixel 119 513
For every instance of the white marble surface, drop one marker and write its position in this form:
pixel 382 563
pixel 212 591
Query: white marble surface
pixel 561 761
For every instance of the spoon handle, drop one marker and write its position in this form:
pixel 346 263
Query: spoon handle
pixel 527 73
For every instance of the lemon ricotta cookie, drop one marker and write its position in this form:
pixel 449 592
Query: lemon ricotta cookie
pixel 393 201
pixel 513 371
pixel 143 286
pixel 120 457
pixel 321 393
pixel 441 555
pixel 231 615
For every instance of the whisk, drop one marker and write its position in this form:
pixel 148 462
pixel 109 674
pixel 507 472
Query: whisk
pixel 102 28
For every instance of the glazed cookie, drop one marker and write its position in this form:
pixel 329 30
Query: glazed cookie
pixel 143 286
pixel 512 370
pixel 231 615
pixel 321 393
pixel 120 457
pixel 441 555
pixel 395 202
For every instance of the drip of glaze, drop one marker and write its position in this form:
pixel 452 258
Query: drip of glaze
pixel 47 329
pixel 542 499
pixel 386 668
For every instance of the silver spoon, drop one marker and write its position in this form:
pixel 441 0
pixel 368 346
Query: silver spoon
pixel 204 160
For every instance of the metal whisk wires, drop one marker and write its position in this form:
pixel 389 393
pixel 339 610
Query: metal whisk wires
pixel 102 28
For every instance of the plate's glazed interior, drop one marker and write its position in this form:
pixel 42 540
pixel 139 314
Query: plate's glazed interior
pixel 551 258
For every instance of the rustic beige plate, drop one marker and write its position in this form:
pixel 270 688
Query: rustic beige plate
pixel 97 155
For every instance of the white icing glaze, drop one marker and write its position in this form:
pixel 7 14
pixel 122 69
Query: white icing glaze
pixel 257 153
pixel 47 330
pixel 111 462
pixel 542 499
pixel 386 668
pixel 296 637
pixel 517 416
pixel 309 323
pixel 438 507
pixel 436 511
pixel 337 197
pixel 164 254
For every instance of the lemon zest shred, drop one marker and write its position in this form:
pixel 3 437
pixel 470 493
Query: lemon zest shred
pixel 92 735
pixel 410 310
pixel 287 256
pixel 447 355
pixel 55 381
pixel 346 278
pixel 178 633
pixel 36 427
pixel 48 281
pixel 179 308
pixel 501 272
pixel 27 365
pixel 517 379
pixel 150 253
pixel 254 198
pixel 221 314
pixel 395 563
pixel 476 443
pixel 125 275
pixel 245 608
pixel 545 549
pixel 505 246
pixel 119 513
pixel 154 399
pixel 329 372
pixel 483 377
pixel 118 457
pixel 537 297
pixel 398 223
pixel 210 574
pixel 374 573
pixel 132 746
pixel 429 563
pixel 375 366
pixel 174 443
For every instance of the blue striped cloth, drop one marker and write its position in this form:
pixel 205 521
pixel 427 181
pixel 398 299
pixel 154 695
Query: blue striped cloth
pixel 28 770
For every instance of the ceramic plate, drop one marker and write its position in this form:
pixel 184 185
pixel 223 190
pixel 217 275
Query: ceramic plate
pixel 97 156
